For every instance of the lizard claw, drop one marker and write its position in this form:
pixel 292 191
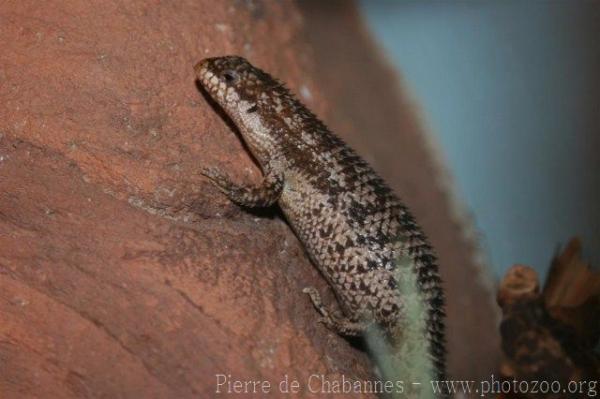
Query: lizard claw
pixel 315 297
pixel 216 177
pixel 327 322
pixel 211 173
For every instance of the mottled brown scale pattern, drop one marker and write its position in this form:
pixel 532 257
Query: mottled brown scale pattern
pixel 350 222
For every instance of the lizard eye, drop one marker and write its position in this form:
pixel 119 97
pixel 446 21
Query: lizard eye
pixel 230 76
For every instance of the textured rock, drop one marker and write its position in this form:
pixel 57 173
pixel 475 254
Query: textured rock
pixel 123 273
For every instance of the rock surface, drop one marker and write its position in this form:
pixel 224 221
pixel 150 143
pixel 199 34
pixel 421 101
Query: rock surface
pixel 123 273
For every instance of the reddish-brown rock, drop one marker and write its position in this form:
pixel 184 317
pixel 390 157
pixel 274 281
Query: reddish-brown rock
pixel 123 273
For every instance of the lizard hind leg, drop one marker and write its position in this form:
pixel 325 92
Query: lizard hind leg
pixel 334 320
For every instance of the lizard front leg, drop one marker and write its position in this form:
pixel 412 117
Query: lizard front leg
pixel 335 320
pixel 262 195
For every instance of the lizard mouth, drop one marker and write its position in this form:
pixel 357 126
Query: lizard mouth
pixel 208 80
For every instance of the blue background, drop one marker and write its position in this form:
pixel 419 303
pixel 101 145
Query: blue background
pixel 511 92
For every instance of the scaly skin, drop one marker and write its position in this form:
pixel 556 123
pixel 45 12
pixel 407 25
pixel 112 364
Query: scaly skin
pixel 356 231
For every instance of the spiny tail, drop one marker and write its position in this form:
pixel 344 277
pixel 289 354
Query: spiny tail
pixel 413 350
pixel 421 269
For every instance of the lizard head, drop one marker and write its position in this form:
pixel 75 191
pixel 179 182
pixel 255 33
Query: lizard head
pixel 249 96
pixel 231 80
